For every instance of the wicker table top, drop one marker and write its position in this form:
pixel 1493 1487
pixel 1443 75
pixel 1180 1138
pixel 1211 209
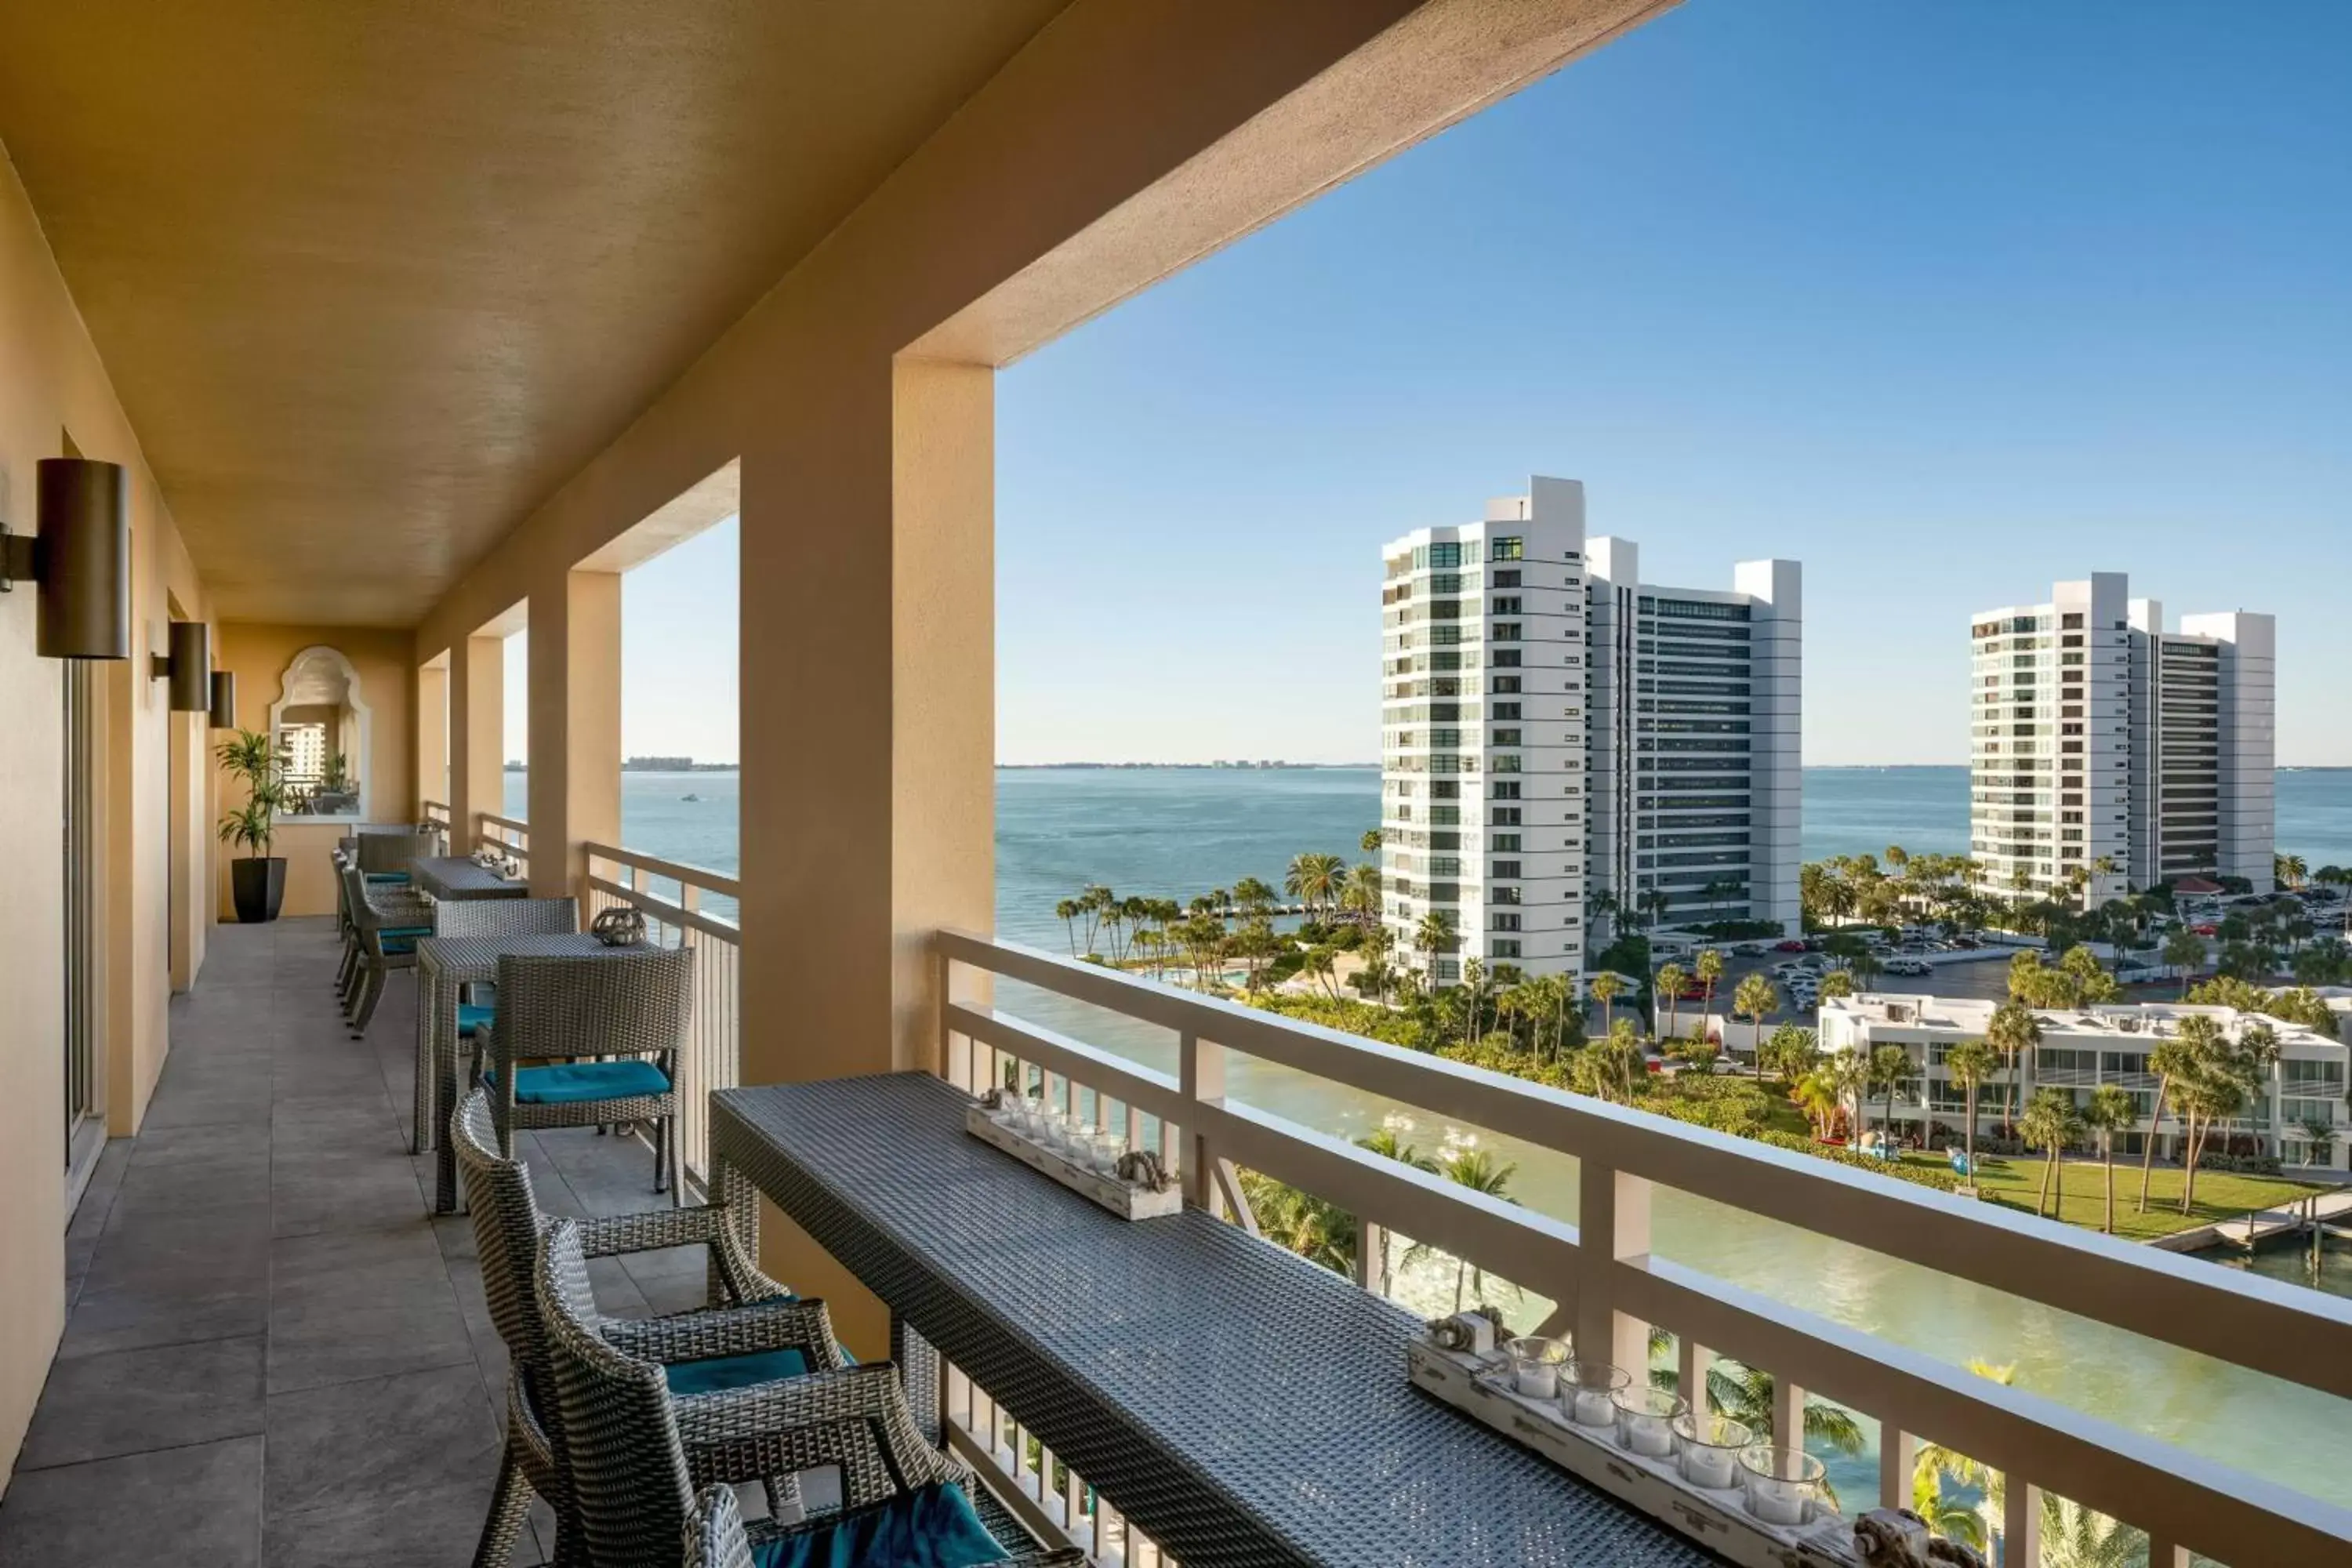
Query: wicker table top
pixel 1242 1405
pixel 456 877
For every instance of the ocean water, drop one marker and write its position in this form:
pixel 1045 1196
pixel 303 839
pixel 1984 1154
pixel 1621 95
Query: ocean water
pixel 1176 831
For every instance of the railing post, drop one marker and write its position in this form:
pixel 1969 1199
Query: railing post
pixel 1787 1413
pixel 1371 1251
pixel 1613 1227
pixel 1203 1075
pixel 955 1050
pixel 2021 1531
pixel 1898 1459
pixel 1693 1363
pixel 2162 1553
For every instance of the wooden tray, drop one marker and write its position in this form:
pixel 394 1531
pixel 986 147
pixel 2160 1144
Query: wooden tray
pixel 1122 1198
pixel 1479 1386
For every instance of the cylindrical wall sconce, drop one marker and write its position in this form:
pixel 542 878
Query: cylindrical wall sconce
pixel 223 704
pixel 190 666
pixel 81 558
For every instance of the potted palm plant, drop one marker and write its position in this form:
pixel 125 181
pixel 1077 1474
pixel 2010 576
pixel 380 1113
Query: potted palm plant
pixel 257 881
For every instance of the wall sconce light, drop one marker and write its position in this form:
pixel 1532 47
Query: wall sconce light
pixel 188 667
pixel 80 556
pixel 224 705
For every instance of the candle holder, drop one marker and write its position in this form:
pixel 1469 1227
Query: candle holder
pixel 1784 1486
pixel 1588 1393
pixel 1076 1153
pixel 1708 1449
pixel 1535 1366
pixel 1646 1420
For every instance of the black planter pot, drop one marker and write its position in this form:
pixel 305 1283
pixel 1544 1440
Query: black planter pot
pixel 259 886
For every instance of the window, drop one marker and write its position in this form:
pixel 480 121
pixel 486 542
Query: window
pixel 1507 737
pixel 1503 895
pixel 1504 791
pixel 1509 547
pixel 1502 922
pixel 1506 710
pixel 1506 950
pixel 1507 764
pixel 2071 621
pixel 1505 869
pixel 1507 657
pixel 1507 579
pixel 1507 605
pixel 1506 683
pixel 1503 631
pixel 1509 841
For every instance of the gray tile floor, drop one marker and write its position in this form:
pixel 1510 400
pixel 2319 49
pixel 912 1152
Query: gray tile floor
pixel 273 1352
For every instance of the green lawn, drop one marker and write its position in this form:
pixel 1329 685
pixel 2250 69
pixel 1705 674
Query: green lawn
pixel 2018 1183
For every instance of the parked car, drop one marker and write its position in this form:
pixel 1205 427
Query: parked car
pixel 2207 930
pixel 1791 945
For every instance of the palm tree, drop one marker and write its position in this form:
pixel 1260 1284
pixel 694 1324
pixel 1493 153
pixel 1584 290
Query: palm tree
pixel 1314 880
pixel 1474 1169
pixel 1755 1000
pixel 2050 1122
pixel 2015 1030
pixel 2173 1061
pixel 1837 983
pixel 2184 949
pixel 1360 896
pixel 1317 1230
pixel 2111 1111
pixel 1473 989
pixel 1621 1055
pixel 1605 988
pixel 1666 987
pixel 2289 869
pixel 1708 967
pixel 1067 913
pixel 1890 1069
pixel 1817 1095
pixel 1934 1464
pixel 1432 936
pixel 1968 1063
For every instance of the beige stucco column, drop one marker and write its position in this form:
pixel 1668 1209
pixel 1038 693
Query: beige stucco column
pixel 432 746
pixel 868 738
pixel 477 723
pixel 575 729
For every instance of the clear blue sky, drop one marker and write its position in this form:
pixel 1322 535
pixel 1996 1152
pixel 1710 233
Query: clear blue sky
pixel 1944 299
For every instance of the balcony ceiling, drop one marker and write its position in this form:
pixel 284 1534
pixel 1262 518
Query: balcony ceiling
pixel 373 280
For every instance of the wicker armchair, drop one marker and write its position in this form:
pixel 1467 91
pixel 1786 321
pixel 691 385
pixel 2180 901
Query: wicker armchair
pixel 385 856
pixel 385 928
pixel 508 1224
pixel 625 1441
pixel 631 1011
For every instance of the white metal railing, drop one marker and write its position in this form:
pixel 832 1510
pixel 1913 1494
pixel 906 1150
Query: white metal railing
pixel 1612 1288
pixel 503 834
pixel 672 897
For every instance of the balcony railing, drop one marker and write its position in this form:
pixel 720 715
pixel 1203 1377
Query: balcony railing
pixel 435 813
pixel 1611 1288
pixel 504 835
pixel 673 899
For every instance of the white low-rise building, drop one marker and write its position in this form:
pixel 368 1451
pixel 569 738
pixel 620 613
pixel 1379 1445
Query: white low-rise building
pixel 2083 1048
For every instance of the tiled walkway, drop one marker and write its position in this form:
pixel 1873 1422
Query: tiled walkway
pixel 273 1352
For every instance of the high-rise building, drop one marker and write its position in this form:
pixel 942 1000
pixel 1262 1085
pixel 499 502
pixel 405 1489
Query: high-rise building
pixel 1482 737
pixel 1695 717
pixel 2107 753
pixel 1552 726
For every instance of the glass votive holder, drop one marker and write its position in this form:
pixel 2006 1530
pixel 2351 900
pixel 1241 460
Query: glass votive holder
pixel 1784 1486
pixel 1079 1142
pixel 1107 1148
pixel 1645 1418
pixel 1588 1392
pixel 1535 1366
pixel 1707 1449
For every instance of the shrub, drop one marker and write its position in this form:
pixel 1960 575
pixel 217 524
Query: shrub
pixel 1938 1177
pixel 2241 1165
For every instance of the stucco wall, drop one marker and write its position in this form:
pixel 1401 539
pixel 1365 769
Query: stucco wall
pixel 260 654
pixel 52 383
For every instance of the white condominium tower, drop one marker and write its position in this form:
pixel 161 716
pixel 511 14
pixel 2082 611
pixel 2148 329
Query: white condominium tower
pixel 2110 754
pixel 1695 710
pixel 1551 725
pixel 1482 736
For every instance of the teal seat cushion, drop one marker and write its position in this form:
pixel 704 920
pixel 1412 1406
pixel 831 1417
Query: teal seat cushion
pixel 403 940
pixel 932 1527
pixel 572 1082
pixel 387 877
pixel 715 1372
pixel 472 1019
